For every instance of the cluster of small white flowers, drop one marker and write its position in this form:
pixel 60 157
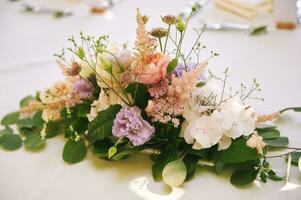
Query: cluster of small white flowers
pixel 228 121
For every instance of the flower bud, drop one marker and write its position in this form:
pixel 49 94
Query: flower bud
pixel 169 19
pixel 180 25
pixel 145 19
pixel 159 32
pixel 106 65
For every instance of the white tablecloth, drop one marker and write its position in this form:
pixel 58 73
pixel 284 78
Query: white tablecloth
pixel 28 41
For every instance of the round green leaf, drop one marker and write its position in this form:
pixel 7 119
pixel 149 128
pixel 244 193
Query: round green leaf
pixel 10 118
pixel 33 142
pixel 174 173
pixel 243 177
pixel 277 142
pixel 74 151
pixel 10 141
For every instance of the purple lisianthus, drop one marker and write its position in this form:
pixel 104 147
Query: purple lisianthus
pixel 181 67
pixel 84 88
pixel 129 123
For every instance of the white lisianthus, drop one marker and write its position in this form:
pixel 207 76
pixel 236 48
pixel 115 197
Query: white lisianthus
pixel 236 119
pixel 203 132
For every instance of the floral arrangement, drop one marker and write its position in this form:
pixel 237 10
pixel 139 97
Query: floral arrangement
pixel 117 101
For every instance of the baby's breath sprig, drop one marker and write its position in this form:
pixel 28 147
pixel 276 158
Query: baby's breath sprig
pixel 247 94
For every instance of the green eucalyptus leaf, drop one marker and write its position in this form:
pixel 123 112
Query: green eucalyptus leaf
pixel 6 130
pixel 269 133
pixel 33 142
pixel 243 177
pixel 25 101
pixel 37 119
pixel 238 152
pixel 172 65
pixel 101 126
pixel 10 141
pixel 139 94
pixel 174 173
pixel 277 142
pixel 25 123
pixel 74 151
pixel 10 118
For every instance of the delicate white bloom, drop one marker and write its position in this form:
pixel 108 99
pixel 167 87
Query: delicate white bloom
pixel 110 67
pixel 236 119
pixel 104 101
pixel 256 141
pixel 195 106
pixel 224 143
pixel 203 132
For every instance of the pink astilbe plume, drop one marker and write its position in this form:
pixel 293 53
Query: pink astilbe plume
pixel 144 43
pixel 181 87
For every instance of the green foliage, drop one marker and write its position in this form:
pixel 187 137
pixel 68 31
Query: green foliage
pixel 139 94
pixel 268 133
pixel 191 162
pixel 53 128
pixel 243 177
pixel 101 126
pixel 34 142
pixel 277 142
pixel 101 147
pixel 295 158
pixel 238 152
pixel 10 141
pixel 219 166
pixel 172 65
pixel 166 156
pixel 74 151
pixel 10 118
pixel 80 124
pixel 25 101
pixel 6 130
pixel 83 109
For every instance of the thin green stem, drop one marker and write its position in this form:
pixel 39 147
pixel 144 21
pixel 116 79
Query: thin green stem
pixel 166 40
pixel 160 42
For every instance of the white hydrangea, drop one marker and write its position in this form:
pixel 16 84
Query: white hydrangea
pixel 237 119
pixel 203 132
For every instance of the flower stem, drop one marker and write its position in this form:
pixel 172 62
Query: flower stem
pixel 166 40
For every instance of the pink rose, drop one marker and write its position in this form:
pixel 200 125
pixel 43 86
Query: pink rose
pixel 155 70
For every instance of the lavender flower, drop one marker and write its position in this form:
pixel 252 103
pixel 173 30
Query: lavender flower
pixel 181 67
pixel 83 88
pixel 129 123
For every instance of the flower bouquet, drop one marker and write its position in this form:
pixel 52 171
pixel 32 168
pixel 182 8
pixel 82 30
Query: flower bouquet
pixel 117 101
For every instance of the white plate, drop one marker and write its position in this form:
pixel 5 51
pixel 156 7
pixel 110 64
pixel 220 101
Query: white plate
pixel 44 176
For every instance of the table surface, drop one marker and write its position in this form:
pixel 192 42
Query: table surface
pixel 27 43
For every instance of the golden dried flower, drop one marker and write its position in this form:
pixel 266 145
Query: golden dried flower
pixel 159 32
pixel 169 19
pixel 266 118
